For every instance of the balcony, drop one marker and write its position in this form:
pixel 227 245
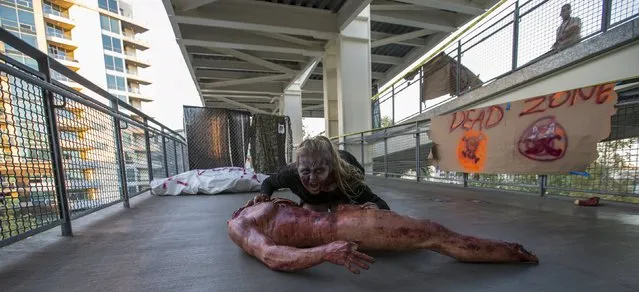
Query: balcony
pixel 126 19
pixel 75 145
pixel 21 167
pixel 70 125
pixel 61 40
pixel 133 59
pixel 81 184
pixel 81 164
pixel 135 42
pixel 136 94
pixel 68 61
pixel 58 18
pixel 66 4
pixel 134 76
pixel 65 80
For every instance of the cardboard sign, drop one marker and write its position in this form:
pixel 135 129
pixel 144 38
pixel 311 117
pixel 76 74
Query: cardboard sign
pixel 550 134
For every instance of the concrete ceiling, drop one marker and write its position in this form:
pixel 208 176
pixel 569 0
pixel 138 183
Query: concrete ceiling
pixel 242 54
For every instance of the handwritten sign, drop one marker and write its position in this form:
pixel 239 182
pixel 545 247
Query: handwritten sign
pixel 548 134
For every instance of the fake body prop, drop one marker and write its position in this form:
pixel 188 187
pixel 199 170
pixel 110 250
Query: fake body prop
pixel 549 134
pixel 286 237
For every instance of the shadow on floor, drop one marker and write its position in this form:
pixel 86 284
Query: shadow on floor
pixel 180 243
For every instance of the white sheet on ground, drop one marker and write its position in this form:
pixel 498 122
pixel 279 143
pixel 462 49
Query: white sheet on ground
pixel 209 182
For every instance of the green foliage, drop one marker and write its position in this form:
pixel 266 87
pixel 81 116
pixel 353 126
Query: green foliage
pixel 386 121
pixel 609 177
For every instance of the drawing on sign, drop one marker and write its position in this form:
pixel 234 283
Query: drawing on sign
pixel 471 150
pixel 544 140
pixel 281 129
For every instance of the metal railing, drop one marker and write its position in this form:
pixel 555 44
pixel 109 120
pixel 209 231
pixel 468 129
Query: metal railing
pixel 48 9
pixel 402 151
pixel 65 154
pixel 57 34
pixel 63 57
pixel 516 36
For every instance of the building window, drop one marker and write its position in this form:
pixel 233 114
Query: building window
pixel 110 24
pixel 16 18
pixel 114 63
pixel 30 39
pixel 111 44
pixel 132 175
pixel 54 9
pixel 25 4
pixel 115 82
pixel 56 31
pixel 37 154
pixel 69 136
pixel 28 111
pixel 77 195
pixel 65 113
pixel 22 59
pixel 110 5
pixel 122 97
pixel 60 53
pixel 70 154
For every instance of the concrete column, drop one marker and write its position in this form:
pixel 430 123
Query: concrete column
pixel 291 106
pixel 347 82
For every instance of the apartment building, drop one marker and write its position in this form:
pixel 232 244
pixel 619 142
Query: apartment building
pixel 98 39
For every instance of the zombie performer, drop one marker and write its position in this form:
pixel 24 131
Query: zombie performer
pixel 286 237
pixel 323 177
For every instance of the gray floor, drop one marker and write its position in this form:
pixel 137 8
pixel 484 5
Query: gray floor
pixel 180 244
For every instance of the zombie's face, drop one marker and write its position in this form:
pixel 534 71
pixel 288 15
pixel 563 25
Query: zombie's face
pixel 314 171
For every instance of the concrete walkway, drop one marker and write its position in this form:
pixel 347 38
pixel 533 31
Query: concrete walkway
pixel 180 244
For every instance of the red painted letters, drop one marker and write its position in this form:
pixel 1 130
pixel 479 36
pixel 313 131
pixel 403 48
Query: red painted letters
pixel 484 118
pixel 539 104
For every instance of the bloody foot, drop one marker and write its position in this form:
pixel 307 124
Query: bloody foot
pixel 591 202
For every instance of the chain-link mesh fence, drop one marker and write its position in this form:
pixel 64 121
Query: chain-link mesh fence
pixel 171 156
pixel 217 137
pixel 66 152
pixel 513 36
pixel 27 200
pixel 222 138
pixel 156 147
pixel 135 158
pixel 89 155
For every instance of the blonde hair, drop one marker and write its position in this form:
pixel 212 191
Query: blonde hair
pixel 347 177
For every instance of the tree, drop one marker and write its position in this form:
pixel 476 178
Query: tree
pixel 608 175
pixel 305 133
pixel 386 122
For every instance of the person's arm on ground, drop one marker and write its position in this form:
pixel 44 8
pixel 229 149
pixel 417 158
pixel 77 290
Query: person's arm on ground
pixel 287 258
pixel 367 198
pixel 285 178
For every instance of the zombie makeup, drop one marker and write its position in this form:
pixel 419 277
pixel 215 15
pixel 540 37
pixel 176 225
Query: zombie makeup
pixel 314 172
